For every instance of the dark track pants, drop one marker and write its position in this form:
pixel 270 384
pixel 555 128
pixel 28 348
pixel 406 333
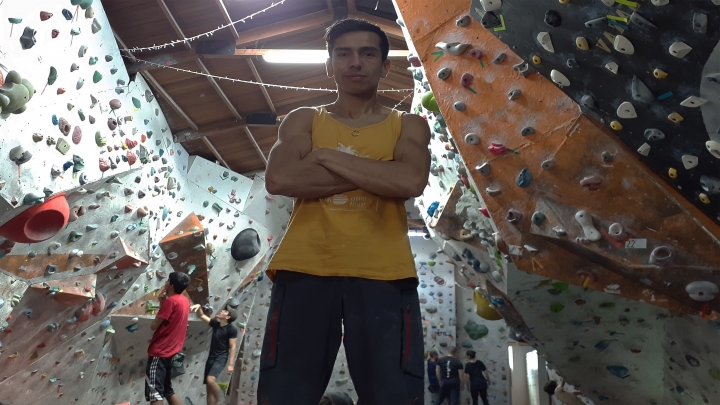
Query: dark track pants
pixel 382 336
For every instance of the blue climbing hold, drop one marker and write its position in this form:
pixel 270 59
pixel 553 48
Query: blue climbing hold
pixel 165 213
pixel 618 371
pixel 524 178
pixel 432 208
pixel 67 165
pixel 105 324
pixel 67 14
pixel 55 120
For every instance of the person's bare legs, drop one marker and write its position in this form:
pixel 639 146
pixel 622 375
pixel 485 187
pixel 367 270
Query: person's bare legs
pixel 213 391
pixel 174 400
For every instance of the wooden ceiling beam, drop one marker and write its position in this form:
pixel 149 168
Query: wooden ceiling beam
pixel 226 17
pixel 218 90
pixel 351 6
pixel 302 23
pixel 390 27
pixel 262 88
pixel 173 23
pixel 255 144
pixel 228 128
pixel 215 152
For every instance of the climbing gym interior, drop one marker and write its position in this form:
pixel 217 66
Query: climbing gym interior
pixel 568 231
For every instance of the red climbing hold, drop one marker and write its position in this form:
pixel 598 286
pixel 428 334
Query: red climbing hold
pixel 98 304
pixel 44 15
pixel 55 33
pixel 580 302
pixel 104 165
pixel 132 158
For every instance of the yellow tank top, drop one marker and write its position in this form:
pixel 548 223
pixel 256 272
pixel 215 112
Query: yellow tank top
pixel 354 234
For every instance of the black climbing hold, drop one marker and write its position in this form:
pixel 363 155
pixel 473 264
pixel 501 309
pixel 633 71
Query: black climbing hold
pixel 588 101
pixel 233 303
pixel 27 40
pixel 572 63
pixel 641 21
pixel 552 18
pixel 692 360
pixel 51 269
pixel 654 134
pixel 641 92
pixel 67 14
pixel 489 20
pixel 597 22
pixel 528 131
pixel 499 59
pixel 245 245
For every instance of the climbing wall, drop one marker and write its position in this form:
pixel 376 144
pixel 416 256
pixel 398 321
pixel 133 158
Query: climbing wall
pixel 78 292
pixel 489 340
pixel 610 253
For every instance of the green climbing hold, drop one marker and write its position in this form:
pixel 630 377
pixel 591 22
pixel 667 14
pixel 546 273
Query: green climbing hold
pixel 78 163
pixel 52 76
pixel 75 236
pixel 97 77
pixel 475 330
pixel 81 114
pixel 206 203
pixel 714 373
pixel 114 218
pixel 84 4
pixel 70 106
pixel 431 264
pixel 136 102
pixel 557 307
pixel 93 60
pixel 15 20
pixel 607 305
pixel 559 285
pixel 75 31
pixel 217 207
pixel 428 101
pixel 99 139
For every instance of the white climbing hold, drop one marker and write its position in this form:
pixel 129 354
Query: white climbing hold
pixel 626 110
pixel 608 3
pixel 585 220
pixel 491 5
pixel 623 45
pixel 453 48
pixel 660 2
pixel 559 78
pixel 644 149
pixel 612 66
pixel 702 291
pixel 546 42
pixel 690 161
pixel 680 49
pixel 713 147
pixel 693 101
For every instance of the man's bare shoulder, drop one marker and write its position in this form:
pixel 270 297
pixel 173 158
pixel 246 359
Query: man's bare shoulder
pixel 416 126
pixel 302 114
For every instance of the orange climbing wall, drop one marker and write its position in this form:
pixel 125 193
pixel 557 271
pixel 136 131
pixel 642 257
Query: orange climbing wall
pixel 629 194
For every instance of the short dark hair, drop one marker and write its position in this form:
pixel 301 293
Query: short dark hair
pixel 549 387
pixel 471 354
pixel 179 281
pixel 342 27
pixel 432 353
pixel 232 314
pixel 453 350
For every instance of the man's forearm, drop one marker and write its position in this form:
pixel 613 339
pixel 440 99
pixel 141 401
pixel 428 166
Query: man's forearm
pixel 231 357
pixel 306 179
pixel 384 178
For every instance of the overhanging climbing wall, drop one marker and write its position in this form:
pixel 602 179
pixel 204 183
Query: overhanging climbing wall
pixel 573 205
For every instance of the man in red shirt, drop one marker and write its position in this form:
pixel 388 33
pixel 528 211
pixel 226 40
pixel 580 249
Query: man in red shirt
pixel 170 326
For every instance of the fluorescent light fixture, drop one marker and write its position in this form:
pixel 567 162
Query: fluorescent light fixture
pixel 415 233
pixel 295 56
pixel 306 55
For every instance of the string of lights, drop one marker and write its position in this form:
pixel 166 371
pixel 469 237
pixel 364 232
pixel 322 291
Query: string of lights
pixel 254 82
pixel 402 101
pixel 206 34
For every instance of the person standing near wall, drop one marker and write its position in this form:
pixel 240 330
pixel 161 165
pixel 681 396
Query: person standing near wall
pixel 450 374
pixel 344 271
pixel 222 349
pixel 477 378
pixel 434 386
pixel 170 326
pixel 558 390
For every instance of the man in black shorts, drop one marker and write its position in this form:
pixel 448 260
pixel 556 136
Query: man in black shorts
pixel 224 341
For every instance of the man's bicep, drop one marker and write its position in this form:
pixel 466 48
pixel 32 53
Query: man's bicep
pixel 412 147
pixel 232 342
pixel 294 137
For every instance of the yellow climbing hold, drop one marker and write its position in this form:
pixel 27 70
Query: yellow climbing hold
pixel 537 60
pixel 672 173
pixel 564 1
pixel 659 74
pixel 582 43
pixel 483 308
pixel 616 125
pixel 704 198
pixel 676 118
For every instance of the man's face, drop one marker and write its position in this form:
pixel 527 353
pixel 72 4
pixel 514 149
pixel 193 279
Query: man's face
pixel 222 315
pixel 356 63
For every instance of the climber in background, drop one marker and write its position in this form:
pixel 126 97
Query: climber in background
pixel 344 271
pixel 222 349
pixel 450 374
pixel 568 398
pixel 477 378
pixel 434 387
pixel 170 326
